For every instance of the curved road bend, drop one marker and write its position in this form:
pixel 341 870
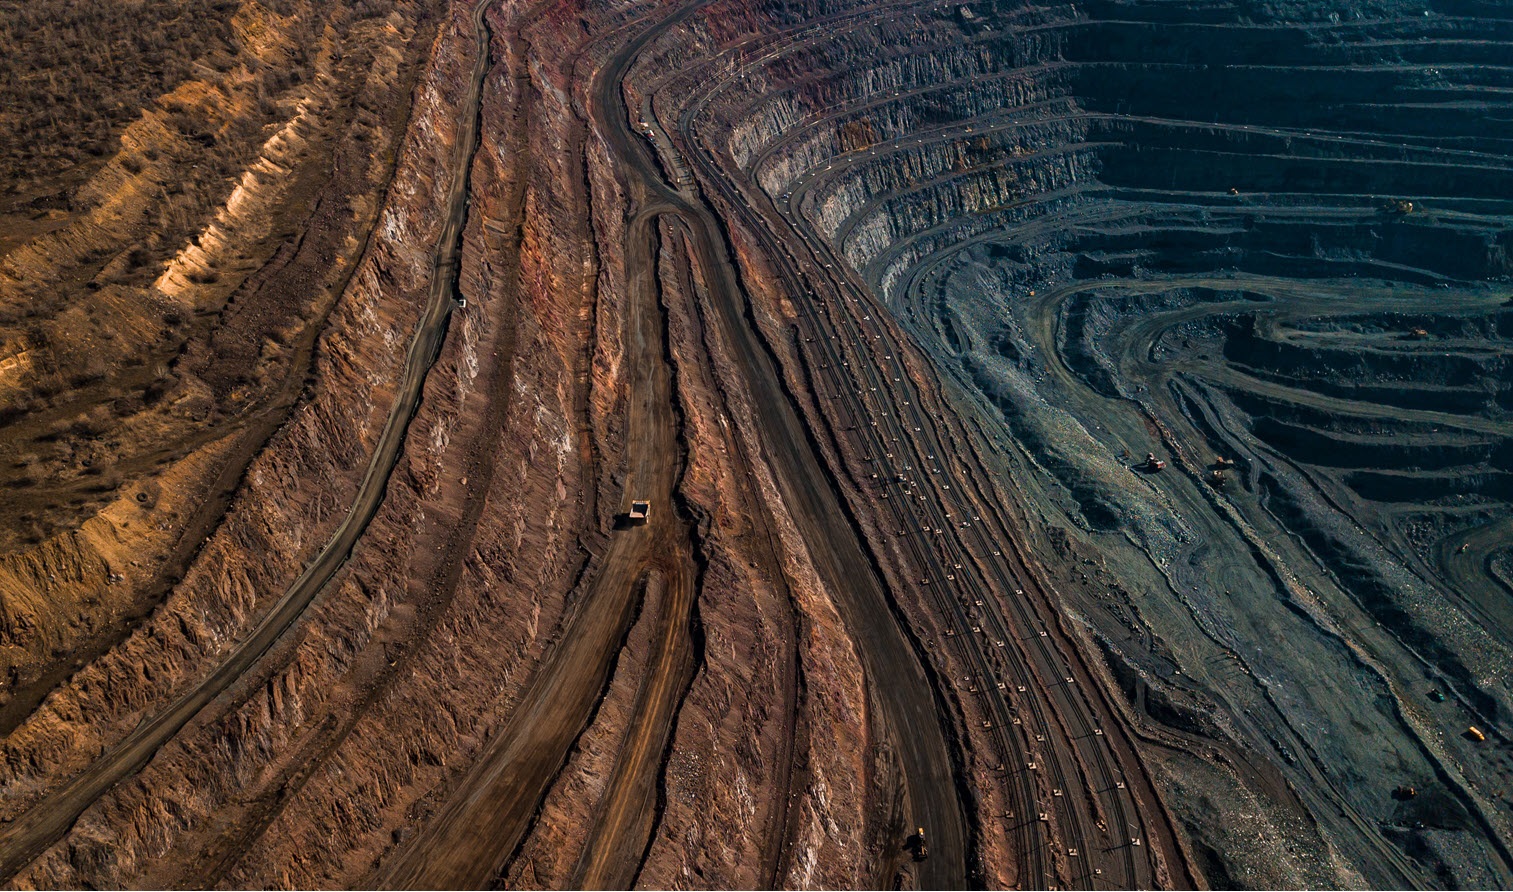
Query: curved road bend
pixel 24 839
pixel 898 680
pixel 467 842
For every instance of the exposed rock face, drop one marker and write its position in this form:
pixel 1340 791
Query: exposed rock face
pixel 119 471
pixel 879 307
pixel 1112 261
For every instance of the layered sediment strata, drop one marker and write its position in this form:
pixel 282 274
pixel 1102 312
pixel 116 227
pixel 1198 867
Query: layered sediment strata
pixel 879 306
pixel 1105 263
pixel 132 414
pixel 516 452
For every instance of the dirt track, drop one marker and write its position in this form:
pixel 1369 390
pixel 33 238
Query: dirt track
pixel 879 304
pixel 468 842
pixel 24 838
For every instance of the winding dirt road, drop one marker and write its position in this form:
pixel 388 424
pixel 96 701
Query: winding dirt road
pixel 898 680
pixel 25 838
pixel 465 845
pixel 468 841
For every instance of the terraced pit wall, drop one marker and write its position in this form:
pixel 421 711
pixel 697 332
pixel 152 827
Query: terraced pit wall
pixel 990 254
pixel 1179 228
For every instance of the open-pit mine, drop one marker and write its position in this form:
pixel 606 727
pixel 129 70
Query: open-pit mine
pixel 756 443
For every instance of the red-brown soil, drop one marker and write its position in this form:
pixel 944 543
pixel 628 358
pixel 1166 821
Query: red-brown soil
pixel 336 352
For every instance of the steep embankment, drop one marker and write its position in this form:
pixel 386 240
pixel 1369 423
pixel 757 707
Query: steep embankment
pixel 879 305
pixel 1117 231
pixel 132 412
pixel 492 531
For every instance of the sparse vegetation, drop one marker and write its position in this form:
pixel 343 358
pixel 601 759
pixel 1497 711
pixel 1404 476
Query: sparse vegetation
pixel 199 87
pixel 75 71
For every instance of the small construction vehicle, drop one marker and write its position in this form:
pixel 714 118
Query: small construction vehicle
pixel 917 844
pixel 640 509
pixel 1224 464
pixel 1152 463
pixel 1404 792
